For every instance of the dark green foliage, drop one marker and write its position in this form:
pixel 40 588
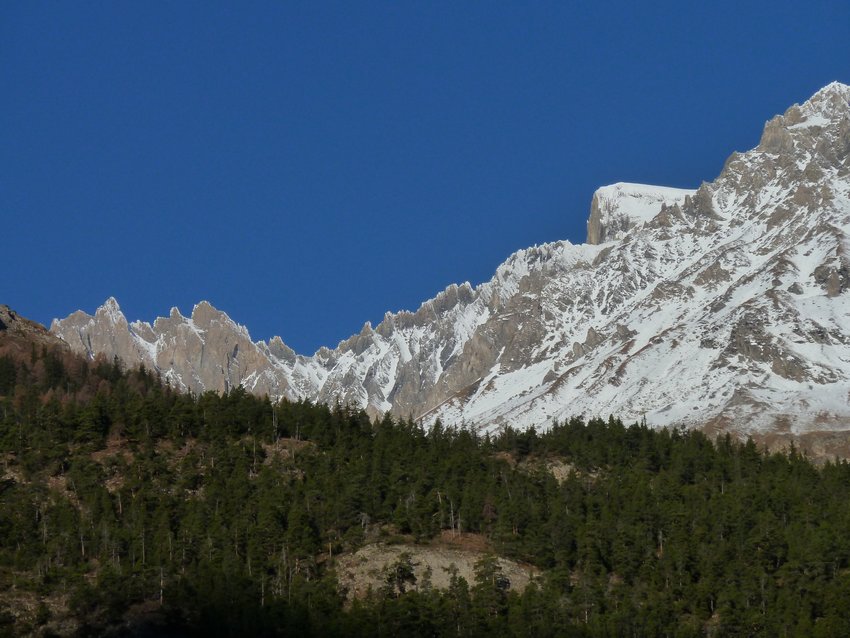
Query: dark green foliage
pixel 222 515
pixel 8 375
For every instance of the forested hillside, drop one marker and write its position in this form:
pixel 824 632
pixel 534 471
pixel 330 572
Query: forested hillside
pixel 129 508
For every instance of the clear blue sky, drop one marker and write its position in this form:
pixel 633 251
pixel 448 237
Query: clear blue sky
pixel 306 166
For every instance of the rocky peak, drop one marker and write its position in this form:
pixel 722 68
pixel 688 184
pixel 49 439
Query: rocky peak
pixel 831 101
pixel 110 311
pixel 204 314
pixel 616 209
pixel 813 127
pixel 279 350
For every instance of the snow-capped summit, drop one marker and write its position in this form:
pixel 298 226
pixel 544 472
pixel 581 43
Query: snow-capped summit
pixel 830 101
pixel 726 307
pixel 617 208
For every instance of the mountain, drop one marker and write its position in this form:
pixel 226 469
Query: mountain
pixel 722 307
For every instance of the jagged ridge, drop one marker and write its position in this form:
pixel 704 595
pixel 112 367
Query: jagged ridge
pixel 726 304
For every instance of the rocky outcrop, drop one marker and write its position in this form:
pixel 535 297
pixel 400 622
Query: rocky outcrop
pixel 616 209
pixel 15 329
pixel 20 336
pixel 431 566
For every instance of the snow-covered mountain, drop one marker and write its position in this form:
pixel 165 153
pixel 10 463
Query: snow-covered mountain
pixel 726 306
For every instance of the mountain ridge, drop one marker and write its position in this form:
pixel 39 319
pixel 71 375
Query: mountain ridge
pixel 686 307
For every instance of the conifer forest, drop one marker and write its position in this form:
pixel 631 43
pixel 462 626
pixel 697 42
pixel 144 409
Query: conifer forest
pixel 127 508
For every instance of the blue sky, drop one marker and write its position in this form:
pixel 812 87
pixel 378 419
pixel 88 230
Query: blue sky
pixel 307 166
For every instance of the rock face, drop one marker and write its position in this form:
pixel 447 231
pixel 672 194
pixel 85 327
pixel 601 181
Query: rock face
pixel 432 566
pixel 616 209
pixel 725 306
pixel 206 351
